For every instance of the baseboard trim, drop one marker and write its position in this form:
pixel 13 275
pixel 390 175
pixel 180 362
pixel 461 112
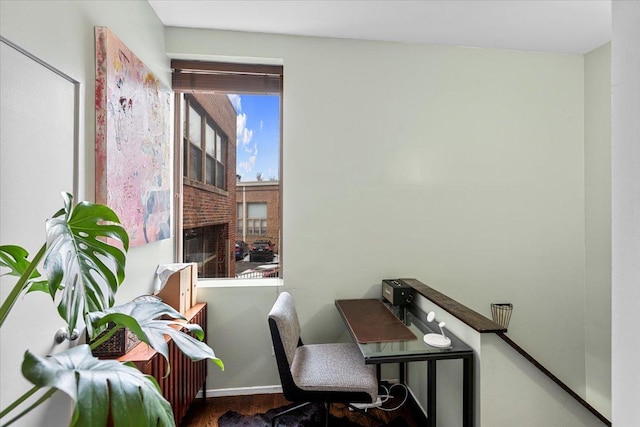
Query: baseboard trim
pixel 242 391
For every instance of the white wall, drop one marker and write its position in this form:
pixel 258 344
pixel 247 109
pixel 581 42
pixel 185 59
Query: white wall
pixel 461 167
pixel 625 80
pixel 597 144
pixel 62 34
pixel 515 393
pixel 239 333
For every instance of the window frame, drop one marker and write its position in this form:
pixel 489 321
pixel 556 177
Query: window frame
pixel 190 103
pixel 262 221
pixel 240 221
pixel 227 78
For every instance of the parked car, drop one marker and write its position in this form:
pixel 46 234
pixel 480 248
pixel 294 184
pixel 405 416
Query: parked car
pixel 261 251
pixel 242 249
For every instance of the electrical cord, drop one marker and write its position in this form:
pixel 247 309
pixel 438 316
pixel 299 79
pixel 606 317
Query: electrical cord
pixel 384 398
pixel 388 396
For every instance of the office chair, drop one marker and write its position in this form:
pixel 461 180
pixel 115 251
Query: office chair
pixel 325 373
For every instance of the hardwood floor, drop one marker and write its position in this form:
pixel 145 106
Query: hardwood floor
pixel 206 413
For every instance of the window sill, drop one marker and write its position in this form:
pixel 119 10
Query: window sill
pixel 238 283
pixel 205 187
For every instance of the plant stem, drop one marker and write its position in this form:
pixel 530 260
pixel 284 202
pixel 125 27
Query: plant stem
pixel 22 283
pixel 18 401
pixel 37 403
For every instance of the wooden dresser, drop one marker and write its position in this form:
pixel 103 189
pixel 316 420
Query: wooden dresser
pixel 186 378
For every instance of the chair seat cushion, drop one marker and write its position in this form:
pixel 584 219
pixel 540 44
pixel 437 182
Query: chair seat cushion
pixel 333 367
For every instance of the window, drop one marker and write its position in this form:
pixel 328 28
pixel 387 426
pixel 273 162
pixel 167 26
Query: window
pixel 230 127
pixel 205 147
pixel 201 246
pixel 257 219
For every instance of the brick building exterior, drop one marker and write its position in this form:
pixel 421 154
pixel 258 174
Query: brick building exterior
pixel 259 192
pixel 209 212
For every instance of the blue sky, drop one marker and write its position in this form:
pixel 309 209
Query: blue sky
pixel 258 134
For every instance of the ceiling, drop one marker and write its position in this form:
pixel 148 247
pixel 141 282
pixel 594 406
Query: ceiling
pixel 564 26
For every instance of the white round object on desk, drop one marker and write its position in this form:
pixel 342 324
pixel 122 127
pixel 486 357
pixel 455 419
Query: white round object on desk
pixel 437 340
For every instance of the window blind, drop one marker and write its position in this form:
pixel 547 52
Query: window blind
pixel 256 210
pixel 223 77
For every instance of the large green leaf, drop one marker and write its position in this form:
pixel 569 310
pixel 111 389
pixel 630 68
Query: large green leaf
pixel 80 262
pixel 143 318
pixel 101 389
pixel 15 259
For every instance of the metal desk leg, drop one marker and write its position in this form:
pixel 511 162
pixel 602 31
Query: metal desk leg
pixel 467 392
pixel 431 393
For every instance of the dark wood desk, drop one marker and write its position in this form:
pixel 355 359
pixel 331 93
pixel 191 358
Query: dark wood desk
pixel 374 326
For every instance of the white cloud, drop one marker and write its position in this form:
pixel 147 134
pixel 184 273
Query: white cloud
pixel 252 150
pixel 244 137
pixel 243 134
pixel 246 168
pixel 236 101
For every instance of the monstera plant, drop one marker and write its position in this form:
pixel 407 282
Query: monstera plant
pixel 83 263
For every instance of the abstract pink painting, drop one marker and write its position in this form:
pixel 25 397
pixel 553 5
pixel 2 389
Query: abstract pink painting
pixel 132 141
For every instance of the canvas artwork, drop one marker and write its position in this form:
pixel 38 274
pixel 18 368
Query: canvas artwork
pixel 132 141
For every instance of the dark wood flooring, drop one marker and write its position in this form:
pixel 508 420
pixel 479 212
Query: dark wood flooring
pixel 206 413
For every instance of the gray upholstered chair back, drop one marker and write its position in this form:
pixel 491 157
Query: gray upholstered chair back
pixel 284 314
